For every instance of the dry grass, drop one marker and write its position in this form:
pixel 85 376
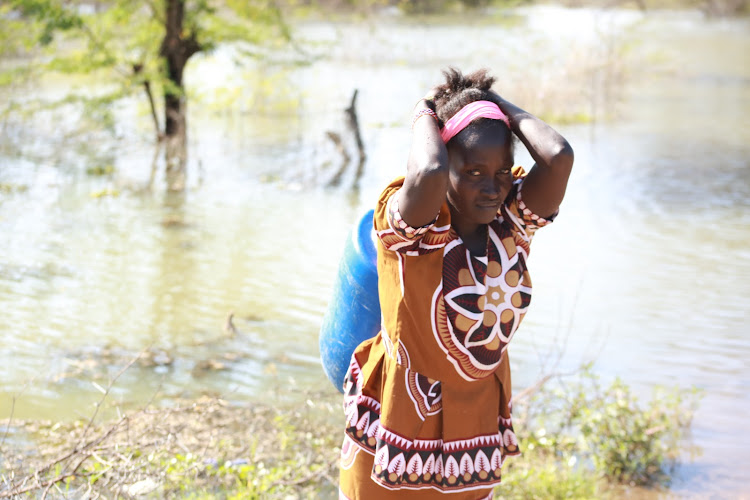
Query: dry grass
pixel 205 448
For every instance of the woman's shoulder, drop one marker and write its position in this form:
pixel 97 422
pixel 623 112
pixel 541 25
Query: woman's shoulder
pixel 397 235
pixel 516 214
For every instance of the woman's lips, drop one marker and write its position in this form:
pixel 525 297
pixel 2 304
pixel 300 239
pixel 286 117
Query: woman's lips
pixel 490 205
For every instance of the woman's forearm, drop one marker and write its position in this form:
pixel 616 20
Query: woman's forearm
pixel 545 184
pixel 547 147
pixel 426 182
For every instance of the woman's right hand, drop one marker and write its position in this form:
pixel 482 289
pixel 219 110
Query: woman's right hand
pixel 428 100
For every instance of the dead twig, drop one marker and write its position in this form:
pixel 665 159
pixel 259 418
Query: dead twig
pixel 229 328
pixel 531 389
pixel 79 449
pixel 106 393
pixel 536 386
pixel 10 419
pixel 351 123
pixel 345 159
pixel 136 446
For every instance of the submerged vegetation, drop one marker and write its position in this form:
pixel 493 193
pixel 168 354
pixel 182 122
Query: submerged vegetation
pixel 580 439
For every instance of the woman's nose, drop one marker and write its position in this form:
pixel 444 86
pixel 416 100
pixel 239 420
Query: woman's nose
pixel 491 186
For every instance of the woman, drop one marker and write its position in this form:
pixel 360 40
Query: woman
pixel 427 400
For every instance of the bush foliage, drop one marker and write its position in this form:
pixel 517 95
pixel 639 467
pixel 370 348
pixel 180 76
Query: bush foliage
pixel 581 437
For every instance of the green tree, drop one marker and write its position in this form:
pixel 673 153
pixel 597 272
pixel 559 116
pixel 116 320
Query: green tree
pixel 142 46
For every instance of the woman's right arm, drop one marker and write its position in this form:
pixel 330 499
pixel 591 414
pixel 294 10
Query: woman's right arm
pixel 426 184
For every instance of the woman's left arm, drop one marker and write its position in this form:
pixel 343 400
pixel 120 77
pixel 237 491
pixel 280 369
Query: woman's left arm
pixel 544 186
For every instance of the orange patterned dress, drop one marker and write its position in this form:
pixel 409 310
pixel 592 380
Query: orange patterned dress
pixel 428 399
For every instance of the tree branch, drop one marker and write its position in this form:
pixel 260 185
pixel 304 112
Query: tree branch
pixel 137 69
pixel 353 122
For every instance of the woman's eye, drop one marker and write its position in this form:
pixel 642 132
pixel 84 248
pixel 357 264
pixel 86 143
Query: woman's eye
pixel 475 172
pixel 504 171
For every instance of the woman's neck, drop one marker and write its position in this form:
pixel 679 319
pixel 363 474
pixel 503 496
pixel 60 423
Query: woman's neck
pixel 474 235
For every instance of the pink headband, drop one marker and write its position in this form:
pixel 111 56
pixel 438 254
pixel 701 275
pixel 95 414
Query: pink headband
pixel 469 113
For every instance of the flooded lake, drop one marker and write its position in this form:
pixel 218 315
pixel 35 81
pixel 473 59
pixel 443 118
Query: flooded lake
pixel 646 271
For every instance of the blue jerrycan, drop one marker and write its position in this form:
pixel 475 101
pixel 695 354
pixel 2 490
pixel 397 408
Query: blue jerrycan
pixel 353 314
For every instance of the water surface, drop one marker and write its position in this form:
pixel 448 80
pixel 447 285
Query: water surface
pixel 646 271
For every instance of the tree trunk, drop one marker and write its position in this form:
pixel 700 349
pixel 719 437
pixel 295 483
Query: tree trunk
pixel 176 49
pixel 176 142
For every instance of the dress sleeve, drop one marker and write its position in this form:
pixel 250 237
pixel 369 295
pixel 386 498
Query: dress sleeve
pixel 397 236
pixel 518 213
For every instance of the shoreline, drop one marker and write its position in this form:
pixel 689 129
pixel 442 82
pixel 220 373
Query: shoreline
pixel 210 447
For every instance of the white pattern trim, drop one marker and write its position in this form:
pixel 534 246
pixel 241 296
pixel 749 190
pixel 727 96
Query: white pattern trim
pixel 538 220
pixel 428 444
pixel 390 226
pixel 391 437
pixel 417 232
pixel 362 447
pixel 371 403
pixel 430 247
pixel 438 445
pixel 397 246
pixel 464 444
pixel 404 362
pixel 519 224
pixel 387 344
pixel 408 391
pixel 356 372
pixel 444 491
pixel 452 245
pixel 401 272
pixel 349 450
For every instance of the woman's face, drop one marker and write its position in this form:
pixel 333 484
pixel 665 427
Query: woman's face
pixel 480 173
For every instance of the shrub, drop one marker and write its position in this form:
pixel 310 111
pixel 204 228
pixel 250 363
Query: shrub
pixel 609 431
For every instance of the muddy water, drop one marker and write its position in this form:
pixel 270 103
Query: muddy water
pixel 646 271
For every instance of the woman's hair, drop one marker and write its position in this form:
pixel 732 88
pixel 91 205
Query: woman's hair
pixel 460 90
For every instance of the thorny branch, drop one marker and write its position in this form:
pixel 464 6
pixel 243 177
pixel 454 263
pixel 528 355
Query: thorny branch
pixel 95 459
pixel 81 450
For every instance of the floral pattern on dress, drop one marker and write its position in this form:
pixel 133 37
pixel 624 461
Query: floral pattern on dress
pixel 480 302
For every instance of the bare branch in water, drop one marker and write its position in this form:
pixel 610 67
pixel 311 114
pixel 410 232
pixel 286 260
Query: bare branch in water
pixel 345 159
pixel 351 123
